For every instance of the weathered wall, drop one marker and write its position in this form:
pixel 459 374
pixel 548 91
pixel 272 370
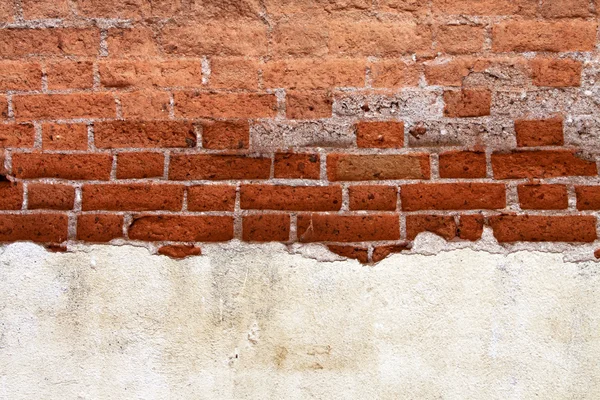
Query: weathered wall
pixel 264 322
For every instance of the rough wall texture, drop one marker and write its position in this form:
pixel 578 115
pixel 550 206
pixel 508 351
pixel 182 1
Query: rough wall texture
pixel 355 123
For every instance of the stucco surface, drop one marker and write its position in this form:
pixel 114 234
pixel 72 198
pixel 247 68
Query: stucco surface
pixel 264 322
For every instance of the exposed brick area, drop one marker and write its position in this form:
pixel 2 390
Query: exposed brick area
pixel 355 124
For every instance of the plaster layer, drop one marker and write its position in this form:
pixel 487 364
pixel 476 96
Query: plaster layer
pixel 262 322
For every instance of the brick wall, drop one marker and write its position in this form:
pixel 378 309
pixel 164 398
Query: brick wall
pixel 356 123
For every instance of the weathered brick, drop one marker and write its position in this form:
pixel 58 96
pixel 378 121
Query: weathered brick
pixel 19 75
pixel 287 7
pixel 147 74
pixel 131 9
pixel 574 35
pixel 358 253
pixel 266 228
pixel 467 103
pixel 486 7
pixel 225 105
pixel 179 250
pixel 67 74
pixel 292 198
pixel 131 42
pixel 180 228
pixel 7 11
pixel 442 225
pixel 541 164
pixel 64 136
pixel 17 43
pixel 64 106
pixel 373 197
pixel 347 228
pixel 211 198
pixel 144 134
pixel 233 73
pixel 216 38
pixel 62 166
pixel 300 37
pixel 453 196
pixel 314 74
pixel 588 197
pixel 556 73
pixel 543 197
pixel 462 164
pixel 50 197
pixel 297 166
pixel 308 104
pixel 348 167
pixel 133 197
pixel 145 104
pixel 565 9
pixel 547 132
pixel 11 195
pixel 140 165
pixel 41 228
pixel 99 228
pixel 393 74
pixel 470 227
pixel 223 135
pixel 17 135
pixel 218 167
pixel 460 39
pixel 380 134
pixel 537 228
pixel 3 107
pixel 449 72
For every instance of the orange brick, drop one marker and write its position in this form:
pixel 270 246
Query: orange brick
pixel 556 73
pixel 531 133
pixel 291 198
pixel 140 165
pixel 380 134
pixel 308 104
pixel 314 74
pixel 218 167
pixel 17 135
pixel 132 197
pixel 453 196
pixel 343 228
pixel 541 164
pixel 373 197
pixel 297 166
pixel 50 197
pixel 64 106
pixel 462 164
pixel 16 43
pixel 211 198
pixel 467 103
pixel 18 75
pixel 40 9
pixel 131 42
pixel 266 228
pixel 348 167
pixel 70 74
pixel 536 228
pixel 460 39
pixel 64 137
pixel 144 134
pixel 99 228
pixel 543 197
pixel 180 228
pixel 557 36
pixel 145 104
pixel 147 74
pixel 485 7
pixel 393 74
pixel 225 105
pixel 233 73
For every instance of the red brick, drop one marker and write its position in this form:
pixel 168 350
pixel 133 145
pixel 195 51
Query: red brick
pixel 19 75
pixel 216 38
pixel 266 228
pixel 547 132
pixel 394 74
pixel 308 104
pixel 380 134
pixel 565 8
pixel 467 103
pixel 314 74
pixel 373 197
pixel 223 135
pixel 381 39
pixel 50 197
pixel 441 225
pixel 556 73
pixel 453 196
pixel 536 228
pixel 293 198
pixel 297 166
pixel 346 228
pixel 211 198
pixel 140 165
pixel 145 134
pixel 541 164
pixel 133 197
pixel 348 167
pixel 233 73
pixel 543 197
pixel 11 195
pixel 485 7
pixel 460 39
pixel 148 74
pixel 70 74
pixel 132 42
pixel 3 107
pixel 225 105
pixel 218 167
pixel 179 250
pixel 382 252
pixel 64 106
pixel 462 164
pixel 145 104
pixel 99 228
pixel 574 35
pixel 286 7
pixel 358 253
pixel 179 228
pixel 64 137
pixel 7 11
pixel 17 135
pixel 62 166
pixel 131 9
pixel 41 228
pixel 588 197
pixel 300 37
pixel 470 227
pixel 18 43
